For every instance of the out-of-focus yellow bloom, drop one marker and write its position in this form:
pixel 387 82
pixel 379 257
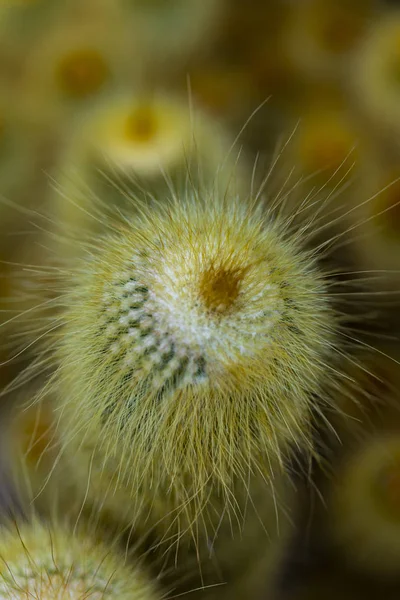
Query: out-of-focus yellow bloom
pixel 376 75
pixel 321 33
pixel 325 139
pixel 322 157
pixel 375 217
pixel 131 145
pixel 364 503
pixel 77 59
pixel 145 133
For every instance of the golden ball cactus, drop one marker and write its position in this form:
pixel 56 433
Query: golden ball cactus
pixel 48 562
pixel 193 341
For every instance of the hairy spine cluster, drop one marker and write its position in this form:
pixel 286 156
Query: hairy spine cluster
pixel 192 345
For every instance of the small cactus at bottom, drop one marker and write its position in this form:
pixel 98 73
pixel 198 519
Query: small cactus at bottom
pixel 48 562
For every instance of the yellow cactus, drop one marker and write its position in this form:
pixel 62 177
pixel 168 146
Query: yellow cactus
pixel 48 562
pixel 193 341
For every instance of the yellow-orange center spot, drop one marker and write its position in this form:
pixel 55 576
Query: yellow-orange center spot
pixel 220 287
pixel 82 72
pixel 141 125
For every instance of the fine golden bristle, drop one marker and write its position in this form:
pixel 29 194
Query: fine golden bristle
pixel 325 141
pixel 48 482
pixel 131 146
pixel 386 207
pixel 378 219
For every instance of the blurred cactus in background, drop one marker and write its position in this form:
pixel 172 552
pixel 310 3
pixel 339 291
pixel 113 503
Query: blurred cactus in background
pixel 199 299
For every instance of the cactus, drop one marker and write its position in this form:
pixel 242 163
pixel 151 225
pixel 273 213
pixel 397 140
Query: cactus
pixel 48 562
pixel 194 339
